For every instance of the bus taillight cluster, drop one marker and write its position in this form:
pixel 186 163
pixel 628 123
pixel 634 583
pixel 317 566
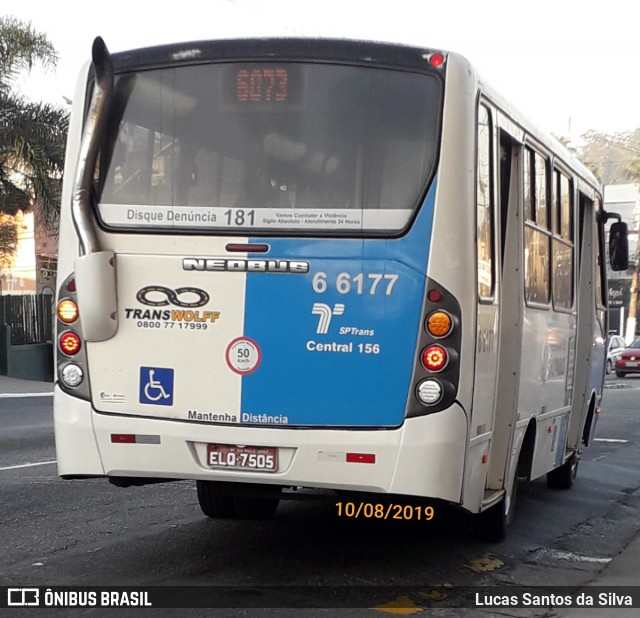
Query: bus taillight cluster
pixel 437 370
pixel 71 357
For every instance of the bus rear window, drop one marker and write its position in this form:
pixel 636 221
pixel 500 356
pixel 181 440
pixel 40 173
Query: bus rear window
pixel 268 147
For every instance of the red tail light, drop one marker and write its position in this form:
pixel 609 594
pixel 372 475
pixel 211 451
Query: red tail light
pixel 70 343
pixel 434 358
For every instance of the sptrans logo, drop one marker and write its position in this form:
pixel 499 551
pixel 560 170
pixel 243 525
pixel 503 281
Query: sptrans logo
pixel 325 313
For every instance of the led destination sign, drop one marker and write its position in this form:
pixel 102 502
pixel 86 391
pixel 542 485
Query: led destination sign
pixel 257 85
pixel 260 85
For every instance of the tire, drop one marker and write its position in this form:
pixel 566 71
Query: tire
pixel 492 525
pixel 621 374
pixel 258 507
pixel 608 367
pixel 214 502
pixel 563 476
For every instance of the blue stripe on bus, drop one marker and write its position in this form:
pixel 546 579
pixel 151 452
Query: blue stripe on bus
pixel 331 358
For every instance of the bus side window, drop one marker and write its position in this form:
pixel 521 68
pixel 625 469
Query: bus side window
pixel 536 228
pixel 562 242
pixel 506 163
pixel 485 205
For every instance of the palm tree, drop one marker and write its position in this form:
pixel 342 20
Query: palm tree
pixel 32 135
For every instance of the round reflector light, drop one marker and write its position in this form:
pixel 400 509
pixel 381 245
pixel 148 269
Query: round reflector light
pixel 430 391
pixel 434 358
pixel 439 324
pixel 70 343
pixel 71 375
pixel 436 60
pixel 67 311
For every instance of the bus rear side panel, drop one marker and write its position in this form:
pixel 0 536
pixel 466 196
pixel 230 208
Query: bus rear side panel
pixel 321 333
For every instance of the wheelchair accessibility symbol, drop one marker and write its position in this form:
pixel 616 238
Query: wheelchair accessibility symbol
pixel 156 386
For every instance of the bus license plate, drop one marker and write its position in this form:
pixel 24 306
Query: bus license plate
pixel 261 458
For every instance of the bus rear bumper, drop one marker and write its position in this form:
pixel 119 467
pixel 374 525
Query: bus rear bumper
pixel 424 457
pixel 76 448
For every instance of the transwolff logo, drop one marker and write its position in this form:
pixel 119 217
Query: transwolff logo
pixel 248 266
pixel 188 299
pixel 162 296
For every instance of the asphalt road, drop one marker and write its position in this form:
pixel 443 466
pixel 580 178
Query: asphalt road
pixel 57 532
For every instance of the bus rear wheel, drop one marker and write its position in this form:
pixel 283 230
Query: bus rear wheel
pixel 492 525
pixel 214 501
pixel 563 476
pixel 255 501
pixel 255 508
pixel 238 500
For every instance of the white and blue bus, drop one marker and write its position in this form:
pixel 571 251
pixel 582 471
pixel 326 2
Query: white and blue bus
pixel 328 264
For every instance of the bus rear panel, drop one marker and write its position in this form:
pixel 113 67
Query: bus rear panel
pixel 269 225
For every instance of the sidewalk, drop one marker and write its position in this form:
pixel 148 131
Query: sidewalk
pixel 623 570
pixel 15 386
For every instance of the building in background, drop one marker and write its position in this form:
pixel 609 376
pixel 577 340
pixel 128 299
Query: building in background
pixel 624 200
pixel 46 260
pixel 31 268
pixel 18 274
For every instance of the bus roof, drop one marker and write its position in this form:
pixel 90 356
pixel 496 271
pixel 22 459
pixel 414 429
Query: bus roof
pixel 345 50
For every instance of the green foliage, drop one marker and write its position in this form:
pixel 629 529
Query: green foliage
pixel 8 241
pixel 32 135
pixel 20 48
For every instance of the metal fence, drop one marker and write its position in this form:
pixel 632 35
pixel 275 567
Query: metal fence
pixel 29 316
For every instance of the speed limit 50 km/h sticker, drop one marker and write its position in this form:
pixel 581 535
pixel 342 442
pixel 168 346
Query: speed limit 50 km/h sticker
pixel 243 356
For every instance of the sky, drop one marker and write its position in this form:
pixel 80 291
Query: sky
pixel 569 65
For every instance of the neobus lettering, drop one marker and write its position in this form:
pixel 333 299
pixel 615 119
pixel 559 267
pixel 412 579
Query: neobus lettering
pixel 240 265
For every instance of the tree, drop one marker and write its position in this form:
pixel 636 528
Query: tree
pixel 615 159
pixel 8 241
pixel 32 135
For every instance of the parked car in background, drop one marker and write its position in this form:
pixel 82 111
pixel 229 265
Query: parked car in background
pixel 614 349
pixel 629 360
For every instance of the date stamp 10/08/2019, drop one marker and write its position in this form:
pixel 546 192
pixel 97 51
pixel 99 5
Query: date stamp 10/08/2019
pixel 369 510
